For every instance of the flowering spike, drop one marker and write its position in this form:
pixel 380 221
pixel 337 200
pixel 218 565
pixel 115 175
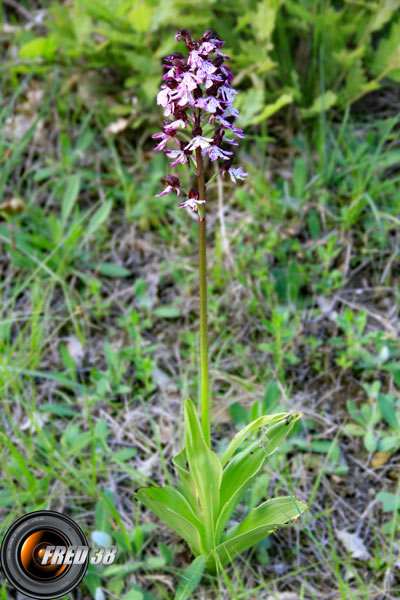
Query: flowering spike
pixel 197 92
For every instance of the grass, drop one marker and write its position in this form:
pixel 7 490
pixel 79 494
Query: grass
pixel 99 324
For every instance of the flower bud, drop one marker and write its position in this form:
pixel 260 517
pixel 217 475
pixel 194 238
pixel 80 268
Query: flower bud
pixel 197 93
pixel 172 181
pixel 207 35
pixel 171 83
pixel 193 194
pixel 197 130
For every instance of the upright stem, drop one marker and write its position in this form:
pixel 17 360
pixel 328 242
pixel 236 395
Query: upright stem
pixel 204 379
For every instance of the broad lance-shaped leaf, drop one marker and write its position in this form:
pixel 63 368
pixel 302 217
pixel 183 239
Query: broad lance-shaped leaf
pixel 206 470
pixel 187 486
pixel 259 523
pixel 244 466
pixel 251 428
pixel 277 433
pixel 236 479
pixel 172 507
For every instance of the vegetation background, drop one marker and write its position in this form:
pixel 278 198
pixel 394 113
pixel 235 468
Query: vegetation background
pixel 99 316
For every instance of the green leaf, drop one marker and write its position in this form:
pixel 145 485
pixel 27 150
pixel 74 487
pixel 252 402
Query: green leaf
pixel 141 16
pixel 40 47
pixel 321 104
pixel 167 312
pixel 123 570
pixel 99 217
pixel 70 196
pixel 236 479
pixel 111 269
pixel 191 578
pixel 133 595
pixel 124 454
pixel 385 11
pixel 390 443
pixel 252 428
pixel 263 20
pixel 180 463
pixel 271 396
pixel 272 108
pixel 355 80
pixel 391 502
pixel 370 442
pixel 385 402
pixel 250 103
pixel 206 470
pixel 259 523
pixel 173 508
pixel 387 56
pixel 239 414
pixel 62 410
pixel 277 433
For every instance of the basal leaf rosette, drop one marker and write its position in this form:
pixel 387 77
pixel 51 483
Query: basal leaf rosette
pixel 211 487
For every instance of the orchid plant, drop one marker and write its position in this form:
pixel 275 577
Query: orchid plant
pixel 197 96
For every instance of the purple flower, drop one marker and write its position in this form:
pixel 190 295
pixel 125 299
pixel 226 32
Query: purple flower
pixel 179 155
pixel 210 104
pixel 227 93
pixel 211 79
pixel 195 59
pixel 228 125
pixel 163 96
pixel 233 142
pixel 215 152
pixel 198 142
pixel 192 201
pixel 175 125
pixel 196 93
pixel 205 68
pixel 173 185
pixel 237 174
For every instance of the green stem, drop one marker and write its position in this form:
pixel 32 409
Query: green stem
pixel 204 378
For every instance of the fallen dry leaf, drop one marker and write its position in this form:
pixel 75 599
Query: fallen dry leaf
pixel 75 349
pixel 284 596
pixel 116 127
pixel 380 458
pixel 353 544
pixel 13 206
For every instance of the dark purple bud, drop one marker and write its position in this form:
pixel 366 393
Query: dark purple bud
pixel 197 130
pixel 191 44
pixel 226 165
pixel 213 90
pixel 218 136
pixel 177 59
pixel 182 33
pixel 171 83
pixel 217 61
pixel 197 93
pixel 172 181
pixel 207 35
pixel 193 194
pixel 180 113
pixel 170 132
